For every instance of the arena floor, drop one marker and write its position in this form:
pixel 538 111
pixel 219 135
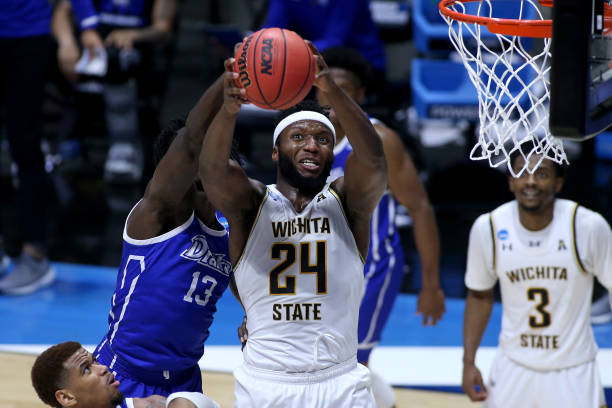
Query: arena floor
pixel 423 363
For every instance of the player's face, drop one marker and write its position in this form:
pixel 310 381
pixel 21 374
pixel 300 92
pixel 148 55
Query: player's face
pixel 349 84
pixel 305 154
pixel 536 191
pixel 90 383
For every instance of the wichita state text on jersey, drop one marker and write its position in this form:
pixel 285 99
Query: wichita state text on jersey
pixel 300 278
pixel 545 286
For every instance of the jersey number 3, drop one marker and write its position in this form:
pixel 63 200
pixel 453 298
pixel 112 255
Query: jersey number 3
pixel 286 252
pixel 543 320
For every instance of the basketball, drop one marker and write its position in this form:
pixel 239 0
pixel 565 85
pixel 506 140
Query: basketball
pixel 276 67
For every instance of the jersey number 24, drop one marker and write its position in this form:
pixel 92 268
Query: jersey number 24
pixel 287 253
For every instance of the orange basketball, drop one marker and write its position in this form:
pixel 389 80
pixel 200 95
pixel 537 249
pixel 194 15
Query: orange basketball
pixel 276 67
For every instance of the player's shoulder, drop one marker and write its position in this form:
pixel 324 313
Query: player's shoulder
pixel 589 219
pixel 382 129
pixel 504 210
pixel 481 226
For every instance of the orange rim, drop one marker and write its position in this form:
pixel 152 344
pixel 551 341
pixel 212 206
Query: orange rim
pixel 506 26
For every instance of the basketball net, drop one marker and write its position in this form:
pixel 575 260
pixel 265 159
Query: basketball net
pixel 513 84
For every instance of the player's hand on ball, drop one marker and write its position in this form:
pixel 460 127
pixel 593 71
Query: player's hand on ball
pixel 430 304
pixel 233 97
pixel 472 383
pixel 322 79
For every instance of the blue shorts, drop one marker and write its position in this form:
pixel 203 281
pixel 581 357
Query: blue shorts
pixel 138 383
pixel 382 284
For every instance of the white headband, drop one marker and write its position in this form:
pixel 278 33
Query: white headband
pixel 302 115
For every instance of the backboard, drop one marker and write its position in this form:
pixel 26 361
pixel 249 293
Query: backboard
pixel 581 69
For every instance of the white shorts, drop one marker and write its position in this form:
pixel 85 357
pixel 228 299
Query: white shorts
pixel 346 385
pixel 513 385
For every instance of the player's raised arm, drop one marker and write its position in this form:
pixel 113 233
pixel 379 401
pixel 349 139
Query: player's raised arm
pixel 166 202
pixel 365 176
pixel 178 169
pixel 226 184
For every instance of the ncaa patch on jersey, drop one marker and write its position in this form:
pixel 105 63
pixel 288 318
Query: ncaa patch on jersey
pixel 502 234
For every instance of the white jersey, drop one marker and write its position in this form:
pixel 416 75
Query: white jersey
pixel 546 281
pixel 300 279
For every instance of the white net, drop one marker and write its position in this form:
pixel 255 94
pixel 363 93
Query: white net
pixel 512 83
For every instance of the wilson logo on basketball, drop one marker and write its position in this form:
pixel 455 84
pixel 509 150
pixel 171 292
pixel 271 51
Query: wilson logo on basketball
pixel 266 56
pixel 242 65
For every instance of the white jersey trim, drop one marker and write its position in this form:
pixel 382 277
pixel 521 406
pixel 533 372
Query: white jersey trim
pixel 261 204
pixel 348 224
pixel 212 231
pixel 341 145
pixel 167 235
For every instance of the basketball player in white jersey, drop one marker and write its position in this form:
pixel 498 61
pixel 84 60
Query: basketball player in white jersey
pixel 384 268
pixel 298 248
pixel 545 253
pixel 67 375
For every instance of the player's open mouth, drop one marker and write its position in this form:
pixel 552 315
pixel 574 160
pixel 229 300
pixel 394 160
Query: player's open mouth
pixel 309 164
pixel 112 382
pixel 530 193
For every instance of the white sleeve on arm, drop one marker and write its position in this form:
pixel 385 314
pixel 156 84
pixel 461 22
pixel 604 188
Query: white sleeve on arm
pixel 480 274
pixel 197 398
pixel 597 238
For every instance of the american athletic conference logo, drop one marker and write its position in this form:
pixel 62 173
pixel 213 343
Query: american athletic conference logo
pixel 200 252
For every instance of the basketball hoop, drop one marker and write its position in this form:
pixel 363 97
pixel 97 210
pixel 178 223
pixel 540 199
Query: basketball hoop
pixel 512 84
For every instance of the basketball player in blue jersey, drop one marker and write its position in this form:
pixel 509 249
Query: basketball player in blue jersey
pixel 384 265
pixel 67 375
pixel 174 267
pixel 296 248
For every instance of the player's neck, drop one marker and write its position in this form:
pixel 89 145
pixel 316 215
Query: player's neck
pixel 536 220
pixel 298 197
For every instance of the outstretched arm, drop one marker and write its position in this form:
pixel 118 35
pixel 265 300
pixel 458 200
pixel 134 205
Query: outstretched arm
pixel 166 204
pixel 409 191
pixel 226 184
pixel 478 306
pixel 365 175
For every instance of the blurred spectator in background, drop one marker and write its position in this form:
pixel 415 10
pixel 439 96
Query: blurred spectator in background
pixel 136 36
pixel 329 23
pixel 26 49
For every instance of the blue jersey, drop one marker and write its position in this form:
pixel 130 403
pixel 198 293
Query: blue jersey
pixel 331 23
pixel 384 238
pixel 125 13
pixel 165 297
pixel 24 18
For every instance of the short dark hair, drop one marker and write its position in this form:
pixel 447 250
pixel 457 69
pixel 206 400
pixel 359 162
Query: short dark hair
pixel 48 373
pixel 525 148
pixel 165 138
pixel 350 60
pixel 305 105
pixel 168 134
